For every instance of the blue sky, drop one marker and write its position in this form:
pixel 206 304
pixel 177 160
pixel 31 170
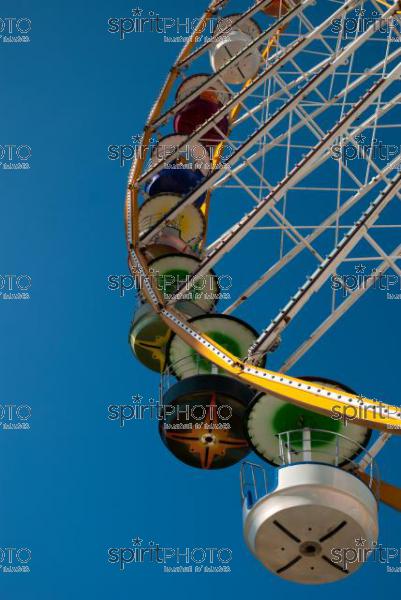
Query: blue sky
pixel 75 484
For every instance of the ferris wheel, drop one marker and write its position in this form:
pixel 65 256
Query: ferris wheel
pixel 273 118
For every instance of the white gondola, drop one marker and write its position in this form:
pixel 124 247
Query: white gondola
pixel 317 523
pixel 229 42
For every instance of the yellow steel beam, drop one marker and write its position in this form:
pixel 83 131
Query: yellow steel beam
pixel 358 409
pixel 389 494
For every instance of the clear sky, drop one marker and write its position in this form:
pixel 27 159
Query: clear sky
pixel 75 484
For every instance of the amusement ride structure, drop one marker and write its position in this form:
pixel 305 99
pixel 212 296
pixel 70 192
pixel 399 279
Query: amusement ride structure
pixel 272 118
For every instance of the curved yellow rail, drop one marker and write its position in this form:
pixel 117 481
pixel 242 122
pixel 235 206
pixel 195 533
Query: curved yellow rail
pixel 338 405
pixel 387 5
